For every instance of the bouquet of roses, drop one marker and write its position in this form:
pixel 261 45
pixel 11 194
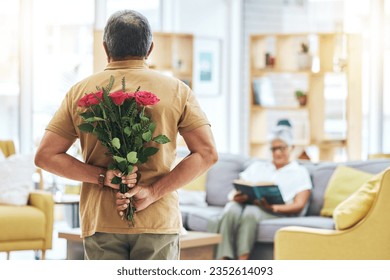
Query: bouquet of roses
pixel 119 122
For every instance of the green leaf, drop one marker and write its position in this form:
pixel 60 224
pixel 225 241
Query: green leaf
pixel 111 166
pixel 101 134
pixel 87 114
pixel 137 142
pixel 127 130
pixel 132 157
pixel 149 151
pixel 116 143
pixel 130 169
pixel 161 139
pixel 137 127
pixel 116 180
pixel 144 118
pixel 123 84
pixel 147 136
pixel 119 159
pixel 94 119
pixel 86 127
pixel 122 166
pixel 142 158
pixel 152 127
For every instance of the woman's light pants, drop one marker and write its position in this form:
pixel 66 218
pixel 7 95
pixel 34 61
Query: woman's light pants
pixel 238 227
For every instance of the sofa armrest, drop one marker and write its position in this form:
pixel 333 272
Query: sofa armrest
pixel 44 202
pixel 303 243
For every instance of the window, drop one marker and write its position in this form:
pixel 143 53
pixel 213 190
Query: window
pixel 149 8
pixel 9 71
pixel 62 52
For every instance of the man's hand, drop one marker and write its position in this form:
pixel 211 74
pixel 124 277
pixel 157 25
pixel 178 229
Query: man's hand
pixel 130 180
pixel 142 196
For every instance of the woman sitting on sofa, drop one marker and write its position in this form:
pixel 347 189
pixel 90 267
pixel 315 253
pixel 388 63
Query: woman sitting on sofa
pixel 238 224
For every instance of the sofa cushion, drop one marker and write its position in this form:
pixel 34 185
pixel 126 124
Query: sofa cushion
pixel 20 221
pixel 321 174
pixel 16 182
pixel 201 218
pixel 344 181
pixel 220 178
pixel 267 228
pixel 354 208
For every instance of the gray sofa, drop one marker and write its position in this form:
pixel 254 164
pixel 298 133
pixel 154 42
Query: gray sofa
pixel 219 184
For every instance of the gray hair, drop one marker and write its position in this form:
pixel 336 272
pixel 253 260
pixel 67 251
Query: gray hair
pixel 127 33
pixel 283 132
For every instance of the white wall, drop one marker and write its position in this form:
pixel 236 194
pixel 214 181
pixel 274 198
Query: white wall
pixel 207 19
pixel 232 21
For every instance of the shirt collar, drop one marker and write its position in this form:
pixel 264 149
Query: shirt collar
pixel 127 64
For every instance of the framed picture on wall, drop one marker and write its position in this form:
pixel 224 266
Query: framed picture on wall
pixel 207 66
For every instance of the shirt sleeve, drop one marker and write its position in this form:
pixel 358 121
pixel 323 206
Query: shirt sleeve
pixel 192 115
pixel 62 121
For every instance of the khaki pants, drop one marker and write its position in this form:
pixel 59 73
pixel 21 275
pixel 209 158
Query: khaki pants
pixel 111 246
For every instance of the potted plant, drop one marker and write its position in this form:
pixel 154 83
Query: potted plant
pixel 304 58
pixel 302 97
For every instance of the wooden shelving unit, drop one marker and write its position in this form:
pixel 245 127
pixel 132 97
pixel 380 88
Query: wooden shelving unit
pixel 173 55
pixel 330 73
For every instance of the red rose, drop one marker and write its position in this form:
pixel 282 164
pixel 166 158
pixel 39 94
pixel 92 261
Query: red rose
pixel 90 99
pixel 119 97
pixel 131 95
pixel 146 98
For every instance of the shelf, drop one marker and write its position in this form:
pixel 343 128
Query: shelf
pixel 278 108
pixel 173 55
pixel 265 71
pixel 329 72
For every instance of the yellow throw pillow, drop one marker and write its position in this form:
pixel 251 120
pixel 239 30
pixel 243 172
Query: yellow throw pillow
pixel 352 210
pixel 199 184
pixel 344 181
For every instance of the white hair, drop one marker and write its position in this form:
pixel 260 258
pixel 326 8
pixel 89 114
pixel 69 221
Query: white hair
pixel 283 133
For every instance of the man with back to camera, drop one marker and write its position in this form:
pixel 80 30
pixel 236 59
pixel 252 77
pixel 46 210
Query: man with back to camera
pixel 155 235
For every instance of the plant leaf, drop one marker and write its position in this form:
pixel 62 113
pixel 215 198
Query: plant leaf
pixel 132 157
pixel 161 139
pixel 127 130
pixel 152 127
pixel 147 136
pixel 122 166
pixel 111 166
pixel 116 143
pixel 116 180
pixel 94 119
pixel 87 114
pixel 119 159
pixel 137 127
pixel 86 127
pixel 149 151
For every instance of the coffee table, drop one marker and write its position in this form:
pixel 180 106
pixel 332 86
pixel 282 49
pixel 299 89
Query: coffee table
pixel 194 245
pixel 71 200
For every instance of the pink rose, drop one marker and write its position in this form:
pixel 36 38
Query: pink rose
pixel 146 98
pixel 90 99
pixel 118 97
pixel 131 95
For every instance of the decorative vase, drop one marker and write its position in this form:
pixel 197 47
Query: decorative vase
pixel 304 61
pixel 302 100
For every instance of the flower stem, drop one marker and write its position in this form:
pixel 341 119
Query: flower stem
pixel 129 212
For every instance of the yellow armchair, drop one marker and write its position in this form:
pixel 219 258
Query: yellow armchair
pixel 369 239
pixel 27 227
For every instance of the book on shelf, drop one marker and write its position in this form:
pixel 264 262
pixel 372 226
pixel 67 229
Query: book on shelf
pixel 267 190
pixel 262 90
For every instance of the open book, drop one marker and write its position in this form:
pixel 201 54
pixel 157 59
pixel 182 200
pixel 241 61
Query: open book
pixel 269 191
